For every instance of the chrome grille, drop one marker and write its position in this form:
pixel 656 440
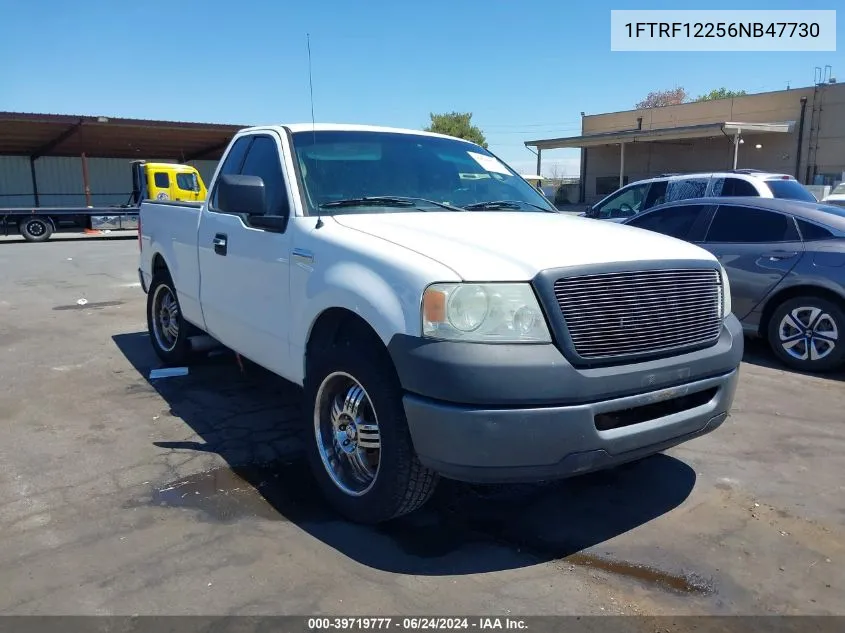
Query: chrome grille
pixel 613 315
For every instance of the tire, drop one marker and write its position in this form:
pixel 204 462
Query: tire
pixel 401 484
pixel 36 228
pixel 822 334
pixel 169 333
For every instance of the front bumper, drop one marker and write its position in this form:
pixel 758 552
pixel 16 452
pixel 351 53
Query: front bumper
pixel 484 413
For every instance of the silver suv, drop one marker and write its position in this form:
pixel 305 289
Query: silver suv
pixel 644 194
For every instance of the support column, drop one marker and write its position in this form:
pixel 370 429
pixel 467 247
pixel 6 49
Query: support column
pixel 539 160
pixel 736 147
pixel 32 173
pixel 621 165
pixel 85 181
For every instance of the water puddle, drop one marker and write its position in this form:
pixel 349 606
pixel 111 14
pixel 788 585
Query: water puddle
pixel 643 573
pixel 90 306
pixel 227 495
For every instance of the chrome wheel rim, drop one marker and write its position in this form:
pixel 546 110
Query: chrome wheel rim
pixel 808 333
pixel 165 318
pixel 347 434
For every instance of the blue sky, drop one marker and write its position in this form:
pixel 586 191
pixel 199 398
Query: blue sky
pixel 524 69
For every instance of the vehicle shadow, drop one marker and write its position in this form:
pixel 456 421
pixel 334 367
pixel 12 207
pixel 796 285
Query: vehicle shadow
pixel 253 421
pixel 757 352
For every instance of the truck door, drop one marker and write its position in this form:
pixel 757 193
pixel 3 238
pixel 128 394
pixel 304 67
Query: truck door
pixel 158 183
pixel 244 271
pixel 187 186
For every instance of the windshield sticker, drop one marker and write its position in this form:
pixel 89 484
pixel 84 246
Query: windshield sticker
pixel 489 163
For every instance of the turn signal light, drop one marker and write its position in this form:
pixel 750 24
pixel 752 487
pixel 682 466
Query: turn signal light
pixel 434 306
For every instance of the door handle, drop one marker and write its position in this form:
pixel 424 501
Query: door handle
pixel 302 255
pixel 220 243
pixel 779 255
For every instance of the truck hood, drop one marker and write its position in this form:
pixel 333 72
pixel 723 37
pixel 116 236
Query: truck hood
pixel 506 246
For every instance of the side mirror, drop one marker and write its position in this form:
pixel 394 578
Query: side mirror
pixel 241 194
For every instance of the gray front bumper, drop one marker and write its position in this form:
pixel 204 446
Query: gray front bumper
pixel 511 445
pixel 530 421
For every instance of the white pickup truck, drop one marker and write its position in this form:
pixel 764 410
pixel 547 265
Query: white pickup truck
pixel 442 318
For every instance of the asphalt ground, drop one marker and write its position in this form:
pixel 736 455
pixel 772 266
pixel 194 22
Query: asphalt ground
pixel 121 495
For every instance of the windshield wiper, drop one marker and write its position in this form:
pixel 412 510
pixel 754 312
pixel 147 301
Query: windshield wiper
pixel 385 201
pixel 494 205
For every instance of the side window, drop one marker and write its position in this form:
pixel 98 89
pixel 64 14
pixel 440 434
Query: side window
pixel 752 226
pixel 656 194
pixel 626 203
pixel 726 187
pixel 263 161
pixel 811 232
pixel 232 163
pixel 686 188
pixel 672 221
pixel 187 182
pixel 161 180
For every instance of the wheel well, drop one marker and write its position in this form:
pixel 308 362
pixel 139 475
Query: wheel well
pixel 790 293
pixel 336 325
pixel 158 263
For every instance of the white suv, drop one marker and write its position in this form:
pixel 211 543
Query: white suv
pixel 644 194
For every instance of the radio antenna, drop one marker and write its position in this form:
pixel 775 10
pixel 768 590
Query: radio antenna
pixel 310 82
pixel 313 124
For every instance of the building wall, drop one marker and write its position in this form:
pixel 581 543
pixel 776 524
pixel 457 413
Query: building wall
pixel 823 144
pixel 60 180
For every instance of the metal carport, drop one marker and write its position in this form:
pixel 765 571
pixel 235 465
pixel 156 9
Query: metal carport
pixel 730 129
pixel 39 135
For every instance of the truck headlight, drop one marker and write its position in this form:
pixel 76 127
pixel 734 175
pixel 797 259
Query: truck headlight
pixel 483 313
pixel 726 292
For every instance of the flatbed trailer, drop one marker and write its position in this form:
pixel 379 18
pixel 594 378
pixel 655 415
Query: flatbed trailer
pixel 37 224
pixel 160 181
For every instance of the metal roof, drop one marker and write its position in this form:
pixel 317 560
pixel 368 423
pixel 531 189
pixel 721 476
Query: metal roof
pixel 662 134
pixel 35 135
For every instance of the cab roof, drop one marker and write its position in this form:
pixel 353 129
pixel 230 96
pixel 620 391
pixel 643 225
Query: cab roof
pixel 295 128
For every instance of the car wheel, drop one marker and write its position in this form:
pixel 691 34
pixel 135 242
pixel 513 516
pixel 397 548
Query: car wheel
pixel 36 228
pixel 808 333
pixel 168 329
pixel 359 446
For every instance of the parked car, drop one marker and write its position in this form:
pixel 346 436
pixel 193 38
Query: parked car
pixel 440 325
pixel 785 260
pixel 836 196
pixel 645 194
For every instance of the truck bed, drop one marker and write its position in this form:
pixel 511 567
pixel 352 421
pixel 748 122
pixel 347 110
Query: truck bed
pixel 171 226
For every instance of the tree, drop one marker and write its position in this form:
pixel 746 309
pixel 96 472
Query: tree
pixel 660 98
pixel 457 124
pixel 721 93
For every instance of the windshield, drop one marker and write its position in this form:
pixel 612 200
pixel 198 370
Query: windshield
pixel 420 172
pixel 790 190
pixel 839 189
